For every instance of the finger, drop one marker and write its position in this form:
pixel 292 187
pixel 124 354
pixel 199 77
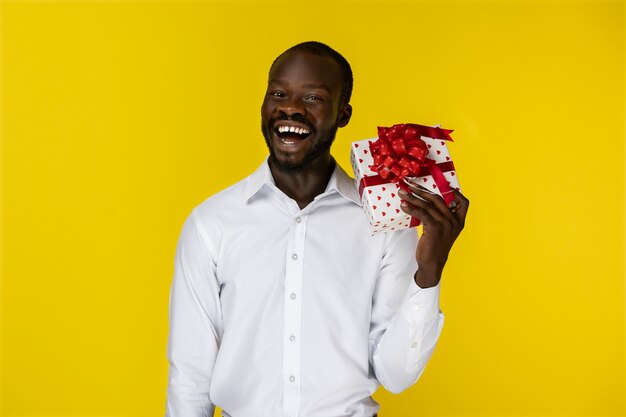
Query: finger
pixel 437 201
pixel 459 196
pixel 462 205
pixel 419 212
pixel 442 214
pixel 425 206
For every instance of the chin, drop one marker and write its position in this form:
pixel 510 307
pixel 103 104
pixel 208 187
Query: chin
pixel 287 165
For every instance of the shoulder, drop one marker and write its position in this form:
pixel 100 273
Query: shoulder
pixel 223 202
pixel 401 240
pixel 208 218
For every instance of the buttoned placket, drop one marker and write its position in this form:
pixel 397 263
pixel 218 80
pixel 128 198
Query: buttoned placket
pixel 294 263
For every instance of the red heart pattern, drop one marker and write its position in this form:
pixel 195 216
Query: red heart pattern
pixel 361 159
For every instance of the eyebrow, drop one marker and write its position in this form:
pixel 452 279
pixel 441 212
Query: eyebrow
pixel 316 86
pixel 309 85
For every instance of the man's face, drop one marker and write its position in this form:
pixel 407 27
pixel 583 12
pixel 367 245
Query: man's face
pixel 301 110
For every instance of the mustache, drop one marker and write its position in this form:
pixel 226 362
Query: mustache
pixel 298 118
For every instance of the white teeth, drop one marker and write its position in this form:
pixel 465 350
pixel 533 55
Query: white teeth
pixel 293 129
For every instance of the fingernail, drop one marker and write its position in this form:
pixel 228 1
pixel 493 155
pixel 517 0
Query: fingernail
pixel 402 192
pixel 452 204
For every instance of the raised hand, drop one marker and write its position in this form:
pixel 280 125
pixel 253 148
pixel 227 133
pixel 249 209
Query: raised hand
pixel 442 225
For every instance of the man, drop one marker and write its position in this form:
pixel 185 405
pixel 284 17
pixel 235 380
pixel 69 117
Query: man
pixel 282 303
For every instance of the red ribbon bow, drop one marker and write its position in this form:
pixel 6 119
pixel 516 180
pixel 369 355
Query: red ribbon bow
pixel 399 152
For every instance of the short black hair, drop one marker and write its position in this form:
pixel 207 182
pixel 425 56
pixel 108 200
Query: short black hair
pixel 321 49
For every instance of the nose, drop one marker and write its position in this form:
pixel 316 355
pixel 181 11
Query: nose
pixel 291 105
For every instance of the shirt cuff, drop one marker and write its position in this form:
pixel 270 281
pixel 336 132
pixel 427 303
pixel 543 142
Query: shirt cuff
pixel 420 305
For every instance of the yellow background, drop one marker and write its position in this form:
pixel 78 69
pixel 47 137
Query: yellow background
pixel 119 117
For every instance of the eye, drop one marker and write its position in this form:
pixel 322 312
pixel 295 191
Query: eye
pixel 314 98
pixel 278 94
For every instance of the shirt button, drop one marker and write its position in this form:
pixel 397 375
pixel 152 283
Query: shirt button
pixel 292 338
pixel 416 307
pixel 298 219
pixel 414 345
pixel 294 257
pixel 292 378
pixel 292 296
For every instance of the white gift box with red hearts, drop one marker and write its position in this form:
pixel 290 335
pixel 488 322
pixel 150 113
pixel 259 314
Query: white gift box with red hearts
pixel 381 203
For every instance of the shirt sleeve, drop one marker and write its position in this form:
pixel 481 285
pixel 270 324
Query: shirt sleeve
pixel 406 319
pixel 194 324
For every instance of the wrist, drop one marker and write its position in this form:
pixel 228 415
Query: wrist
pixel 426 279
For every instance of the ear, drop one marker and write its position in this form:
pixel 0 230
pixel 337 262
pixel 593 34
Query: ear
pixel 345 113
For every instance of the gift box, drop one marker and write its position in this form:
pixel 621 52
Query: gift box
pixel 400 154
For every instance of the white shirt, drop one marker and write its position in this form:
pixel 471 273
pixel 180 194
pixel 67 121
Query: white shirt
pixel 277 311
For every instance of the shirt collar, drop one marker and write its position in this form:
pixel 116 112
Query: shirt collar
pixel 258 179
pixel 344 184
pixel 339 181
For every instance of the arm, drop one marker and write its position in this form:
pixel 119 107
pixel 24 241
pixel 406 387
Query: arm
pixel 418 322
pixel 195 324
pixel 406 320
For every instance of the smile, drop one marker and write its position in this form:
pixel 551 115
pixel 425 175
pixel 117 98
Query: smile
pixel 292 129
pixel 291 134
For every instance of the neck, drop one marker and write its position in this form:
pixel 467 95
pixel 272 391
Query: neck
pixel 303 186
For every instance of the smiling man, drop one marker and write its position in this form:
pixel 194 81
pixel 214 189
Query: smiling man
pixel 282 303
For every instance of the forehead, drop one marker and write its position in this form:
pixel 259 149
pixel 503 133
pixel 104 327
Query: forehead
pixel 302 68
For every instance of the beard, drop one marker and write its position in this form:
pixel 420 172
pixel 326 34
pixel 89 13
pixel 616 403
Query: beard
pixel 326 138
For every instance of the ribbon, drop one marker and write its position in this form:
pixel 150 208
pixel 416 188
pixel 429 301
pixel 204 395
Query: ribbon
pixel 400 153
pixel 424 170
